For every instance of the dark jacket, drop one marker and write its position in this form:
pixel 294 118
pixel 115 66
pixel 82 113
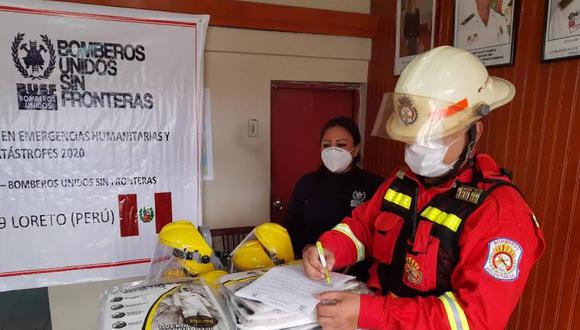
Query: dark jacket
pixel 321 199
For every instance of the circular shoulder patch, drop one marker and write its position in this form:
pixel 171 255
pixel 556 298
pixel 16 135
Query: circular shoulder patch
pixel 503 259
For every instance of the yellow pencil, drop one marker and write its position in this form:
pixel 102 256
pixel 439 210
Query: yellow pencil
pixel 323 262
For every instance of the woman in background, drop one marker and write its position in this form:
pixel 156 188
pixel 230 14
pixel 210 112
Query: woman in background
pixel 321 199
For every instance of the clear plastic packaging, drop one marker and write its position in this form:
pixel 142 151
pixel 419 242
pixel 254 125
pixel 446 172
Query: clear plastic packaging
pixel 185 304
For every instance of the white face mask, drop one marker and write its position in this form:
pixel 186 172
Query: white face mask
pixel 335 159
pixel 427 162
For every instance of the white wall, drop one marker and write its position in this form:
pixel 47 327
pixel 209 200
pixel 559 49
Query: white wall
pixel 239 67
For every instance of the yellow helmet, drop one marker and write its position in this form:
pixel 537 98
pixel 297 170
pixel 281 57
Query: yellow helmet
pixel 276 241
pixel 251 255
pixel 271 246
pixel 195 268
pixel 212 277
pixel 191 250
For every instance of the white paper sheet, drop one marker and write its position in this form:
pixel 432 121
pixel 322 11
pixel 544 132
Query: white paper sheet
pixel 287 288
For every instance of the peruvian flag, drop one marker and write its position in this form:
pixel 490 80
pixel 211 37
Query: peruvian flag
pixel 128 213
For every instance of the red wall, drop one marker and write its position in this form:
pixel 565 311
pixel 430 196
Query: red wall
pixel 537 136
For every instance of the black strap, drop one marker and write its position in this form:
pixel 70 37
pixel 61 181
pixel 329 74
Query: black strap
pixel 498 183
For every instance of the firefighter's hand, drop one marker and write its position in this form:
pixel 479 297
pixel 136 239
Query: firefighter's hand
pixel 338 310
pixel 311 261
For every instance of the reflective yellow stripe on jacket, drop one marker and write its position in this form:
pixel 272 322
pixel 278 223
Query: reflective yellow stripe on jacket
pixel 360 248
pixel 448 220
pixel 455 314
pixel 398 198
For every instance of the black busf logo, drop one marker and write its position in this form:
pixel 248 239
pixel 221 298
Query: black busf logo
pixel 34 60
pixel 34 63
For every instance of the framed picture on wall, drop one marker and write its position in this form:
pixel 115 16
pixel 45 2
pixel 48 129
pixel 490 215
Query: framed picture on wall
pixel 562 30
pixel 486 28
pixel 415 32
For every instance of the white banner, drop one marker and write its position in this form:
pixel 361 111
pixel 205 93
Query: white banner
pixel 100 136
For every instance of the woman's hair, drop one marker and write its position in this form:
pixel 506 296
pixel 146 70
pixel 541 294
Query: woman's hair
pixel 349 125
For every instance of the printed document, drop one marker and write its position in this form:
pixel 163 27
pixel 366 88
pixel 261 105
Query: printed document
pixel 288 289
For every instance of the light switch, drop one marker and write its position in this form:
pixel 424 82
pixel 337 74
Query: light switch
pixel 253 128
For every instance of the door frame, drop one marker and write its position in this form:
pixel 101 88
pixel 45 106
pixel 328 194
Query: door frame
pixel 357 87
pixel 358 113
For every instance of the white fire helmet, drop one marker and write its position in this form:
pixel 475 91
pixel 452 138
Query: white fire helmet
pixel 440 94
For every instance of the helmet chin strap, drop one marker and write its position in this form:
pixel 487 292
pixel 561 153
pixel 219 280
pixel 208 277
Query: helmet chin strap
pixel 464 160
pixel 469 152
